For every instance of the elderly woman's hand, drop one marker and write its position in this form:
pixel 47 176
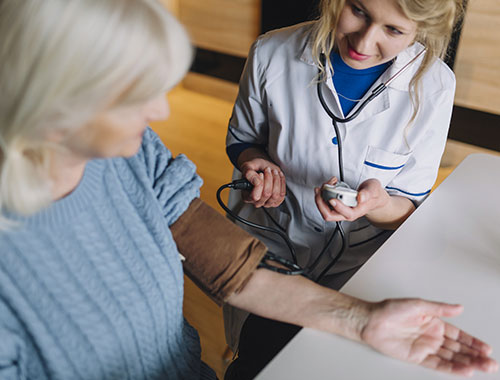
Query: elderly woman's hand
pixel 412 330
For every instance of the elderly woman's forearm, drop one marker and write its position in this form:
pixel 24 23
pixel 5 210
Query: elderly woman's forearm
pixel 297 300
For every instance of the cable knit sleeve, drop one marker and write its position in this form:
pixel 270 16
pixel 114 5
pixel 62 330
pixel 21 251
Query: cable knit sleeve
pixel 174 180
pixel 12 358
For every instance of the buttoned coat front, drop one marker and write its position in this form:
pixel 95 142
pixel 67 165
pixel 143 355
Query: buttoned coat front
pixel 278 107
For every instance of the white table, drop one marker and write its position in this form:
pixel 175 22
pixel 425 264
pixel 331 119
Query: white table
pixel 448 250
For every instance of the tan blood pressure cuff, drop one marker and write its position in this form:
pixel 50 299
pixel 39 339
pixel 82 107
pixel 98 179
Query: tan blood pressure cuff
pixel 220 256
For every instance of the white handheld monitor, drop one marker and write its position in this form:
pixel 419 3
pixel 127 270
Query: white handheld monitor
pixel 340 191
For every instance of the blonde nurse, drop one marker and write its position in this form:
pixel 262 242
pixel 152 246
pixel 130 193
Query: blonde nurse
pixel 281 139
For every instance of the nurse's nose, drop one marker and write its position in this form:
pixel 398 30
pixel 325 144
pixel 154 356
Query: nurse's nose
pixel 367 40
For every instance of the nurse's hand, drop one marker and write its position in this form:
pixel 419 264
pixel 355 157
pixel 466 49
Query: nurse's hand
pixel 371 196
pixel 269 185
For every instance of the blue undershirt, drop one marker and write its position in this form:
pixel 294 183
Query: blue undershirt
pixel 348 82
pixel 352 83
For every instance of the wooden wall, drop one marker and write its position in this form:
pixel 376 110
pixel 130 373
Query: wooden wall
pixel 230 26
pixel 172 6
pixel 477 64
pixel 226 26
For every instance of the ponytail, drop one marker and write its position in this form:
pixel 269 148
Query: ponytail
pixel 24 184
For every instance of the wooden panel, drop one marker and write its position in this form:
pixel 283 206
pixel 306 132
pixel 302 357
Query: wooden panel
pixel 197 127
pixel 227 26
pixel 478 58
pixel 456 151
pixel 211 86
pixel 172 6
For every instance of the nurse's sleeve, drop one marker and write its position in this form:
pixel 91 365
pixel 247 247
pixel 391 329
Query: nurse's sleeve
pixel 248 123
pixel 419 174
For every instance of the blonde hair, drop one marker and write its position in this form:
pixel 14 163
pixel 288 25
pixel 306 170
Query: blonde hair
pixel 64 61
pixel 435 19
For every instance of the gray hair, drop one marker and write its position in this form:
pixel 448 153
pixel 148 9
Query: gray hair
pixel 63 61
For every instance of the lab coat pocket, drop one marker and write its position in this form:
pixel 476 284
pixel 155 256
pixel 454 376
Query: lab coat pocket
pixel 382 165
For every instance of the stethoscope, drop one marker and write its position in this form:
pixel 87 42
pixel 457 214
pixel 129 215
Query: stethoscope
pixel 375 92
pixel 292 268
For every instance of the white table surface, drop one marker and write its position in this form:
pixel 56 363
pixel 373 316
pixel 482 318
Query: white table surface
pixel 448 250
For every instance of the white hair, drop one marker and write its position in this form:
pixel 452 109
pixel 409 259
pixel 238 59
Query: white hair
pixel 63 61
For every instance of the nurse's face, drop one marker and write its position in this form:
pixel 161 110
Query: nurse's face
pixel 117 132
pixel 372 32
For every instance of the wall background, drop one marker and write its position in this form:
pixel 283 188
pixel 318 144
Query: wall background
pixel 478 58
pixel 225 29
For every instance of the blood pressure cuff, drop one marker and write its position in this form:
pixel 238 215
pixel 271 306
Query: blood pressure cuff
pixel 220 256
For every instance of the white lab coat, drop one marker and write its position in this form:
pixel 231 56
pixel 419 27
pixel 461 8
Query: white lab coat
pixel 278 107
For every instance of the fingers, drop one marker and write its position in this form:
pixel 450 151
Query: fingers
pixel 437 363
pixel 279 189
pixel 257 181
pixel 328 213
pixel 335 211
pixel 349 213
pixel 453 345
pixel 267 191
pixel 332 181
pixel 362 197
pixel 457 337
pixel 458 363
pixel 461 354
pixel 440 309
pixel 283 184
pixel 269 187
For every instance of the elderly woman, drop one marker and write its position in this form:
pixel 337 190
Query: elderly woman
pixel 95 210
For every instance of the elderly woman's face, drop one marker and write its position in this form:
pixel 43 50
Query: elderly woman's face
pixel 117 132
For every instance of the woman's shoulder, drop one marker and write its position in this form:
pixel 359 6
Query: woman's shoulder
pixel 288 33
pixel 154 160
pixel 280 50
pixel 287 40
pixel 151 151
pixel 437 78
pixel 143 166
pixel 440 76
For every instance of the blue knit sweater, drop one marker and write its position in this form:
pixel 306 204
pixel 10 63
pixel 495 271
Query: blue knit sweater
pixel 92 287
